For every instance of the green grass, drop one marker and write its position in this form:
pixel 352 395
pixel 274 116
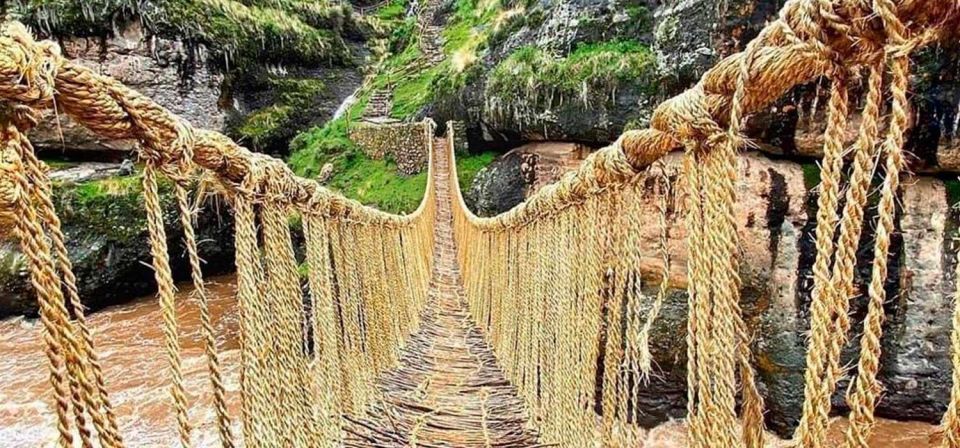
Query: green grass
pixel 413 93
pixel 376 183
pixel 311 149
pixel 953 192
pixel 112 207
pixel 468 166
pixel 104 189
pixel 603 67
pixel 811 175
pixel 531 80
pixel 395 10
pixel 414 84
pixel 59 164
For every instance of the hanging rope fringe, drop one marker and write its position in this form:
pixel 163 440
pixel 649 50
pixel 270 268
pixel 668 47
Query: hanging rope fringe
pixel 555 284
pixel 166 290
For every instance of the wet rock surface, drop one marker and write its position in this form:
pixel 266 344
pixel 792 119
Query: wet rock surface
pixel 164 70
pixel 106 238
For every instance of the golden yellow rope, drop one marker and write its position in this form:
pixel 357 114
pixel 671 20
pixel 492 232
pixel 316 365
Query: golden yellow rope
pixel 824 307
pixel 645 359
pixel 206 324
pixel 165 293
pixel 260 425
pixel 286 303
pixel 866 388
pixel 42 277
pixel 326 370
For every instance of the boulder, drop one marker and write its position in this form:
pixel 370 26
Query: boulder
pixel 519 173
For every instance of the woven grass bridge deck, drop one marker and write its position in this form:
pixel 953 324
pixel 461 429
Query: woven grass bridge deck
pixel 448 390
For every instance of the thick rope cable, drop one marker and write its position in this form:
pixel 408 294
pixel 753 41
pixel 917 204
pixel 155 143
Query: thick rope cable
pixel 260 423
pixel 42 277
pixel 89 394
pixel 812 429
pixel 101 410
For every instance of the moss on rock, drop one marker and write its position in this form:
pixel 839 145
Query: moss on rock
pixel 533 80
pixel 105 226
pixel 254 31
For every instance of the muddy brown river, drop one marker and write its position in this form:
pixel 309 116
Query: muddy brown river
pixel 130 342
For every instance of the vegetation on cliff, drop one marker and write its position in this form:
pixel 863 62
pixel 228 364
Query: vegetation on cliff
pixel 275 123
pixel 249 31
pixel 531 80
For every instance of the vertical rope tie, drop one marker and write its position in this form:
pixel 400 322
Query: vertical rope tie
pixel 166 291
pixel 663 192
pixel 825 307
pixel 206 322
pixel 43 278
pixel 98 402
pixel 865 389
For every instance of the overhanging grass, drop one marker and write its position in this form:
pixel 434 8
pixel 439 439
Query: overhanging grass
pixel 250 31
pixel 530 71
pixel 532 80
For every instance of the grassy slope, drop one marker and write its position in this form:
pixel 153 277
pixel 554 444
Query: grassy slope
pixel 414 85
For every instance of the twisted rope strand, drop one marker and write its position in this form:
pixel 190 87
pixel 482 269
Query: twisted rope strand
pixel 166 293
pixel 206 323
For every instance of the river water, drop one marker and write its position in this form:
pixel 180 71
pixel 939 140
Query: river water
pixel 130 342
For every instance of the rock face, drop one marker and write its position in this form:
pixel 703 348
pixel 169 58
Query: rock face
pixel 164 70
pixel 105 236
pixel 775 217
pixel 519 173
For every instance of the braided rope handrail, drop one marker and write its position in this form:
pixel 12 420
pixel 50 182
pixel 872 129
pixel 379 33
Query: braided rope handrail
pixel 34 74
pixel 780 62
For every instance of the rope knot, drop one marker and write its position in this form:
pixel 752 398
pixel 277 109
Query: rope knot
pixel 29 68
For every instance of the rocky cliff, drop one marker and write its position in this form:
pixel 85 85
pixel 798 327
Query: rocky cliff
pixel 257 71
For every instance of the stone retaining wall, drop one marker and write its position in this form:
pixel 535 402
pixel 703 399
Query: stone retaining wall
pixel 404 143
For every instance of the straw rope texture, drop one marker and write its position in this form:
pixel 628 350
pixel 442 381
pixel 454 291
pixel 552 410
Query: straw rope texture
pixel 440 328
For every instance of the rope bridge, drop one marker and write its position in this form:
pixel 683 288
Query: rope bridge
pixel 543 339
